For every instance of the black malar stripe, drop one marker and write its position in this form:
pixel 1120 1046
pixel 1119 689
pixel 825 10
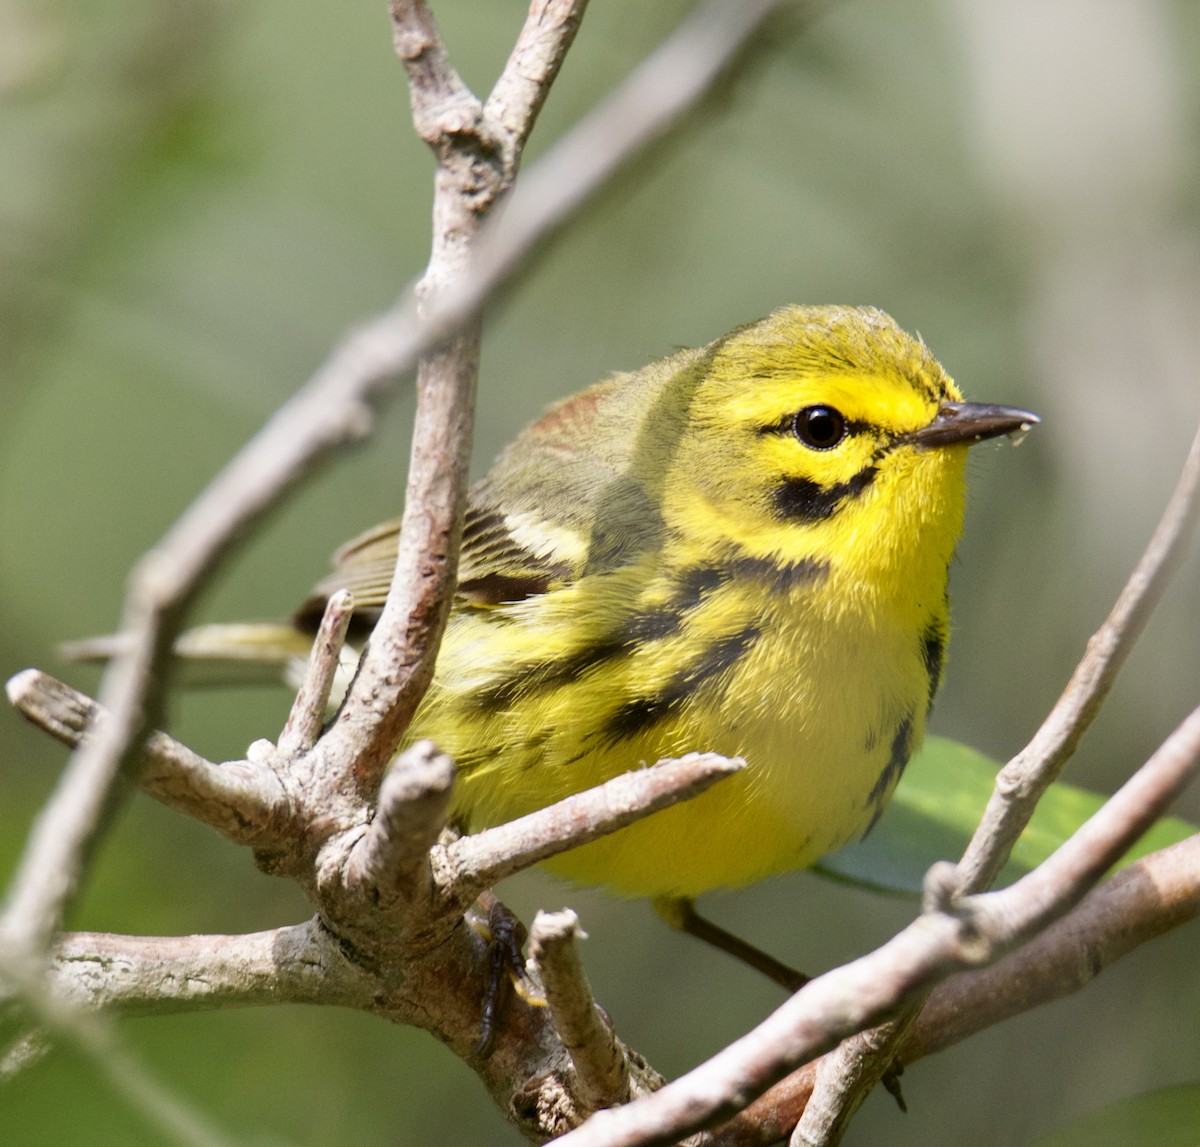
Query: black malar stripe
pixel 640 714
pixel 803 500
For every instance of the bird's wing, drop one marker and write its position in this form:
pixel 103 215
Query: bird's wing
pixel 364 566
pixel 571 494
pixel 494 564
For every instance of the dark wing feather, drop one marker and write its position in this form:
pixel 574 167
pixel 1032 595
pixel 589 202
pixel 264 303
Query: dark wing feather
pixel 572 494
pixel 493 568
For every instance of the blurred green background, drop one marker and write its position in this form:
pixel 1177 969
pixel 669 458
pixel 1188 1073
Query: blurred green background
pixel 199 197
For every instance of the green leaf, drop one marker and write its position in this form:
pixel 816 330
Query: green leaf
pixel 1169 1117
pixel 935 810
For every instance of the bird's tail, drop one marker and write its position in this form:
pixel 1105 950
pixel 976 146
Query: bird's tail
pixel 237 653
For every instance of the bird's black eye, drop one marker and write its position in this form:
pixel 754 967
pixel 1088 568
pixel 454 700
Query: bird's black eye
pixel 820 427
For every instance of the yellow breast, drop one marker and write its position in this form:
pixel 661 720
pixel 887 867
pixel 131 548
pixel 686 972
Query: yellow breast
pixel 824 697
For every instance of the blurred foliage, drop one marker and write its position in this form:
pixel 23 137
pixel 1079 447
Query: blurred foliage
pixel 200 196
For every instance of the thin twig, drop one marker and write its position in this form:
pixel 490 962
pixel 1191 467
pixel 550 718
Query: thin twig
pixel 240 799
pixel 392 858
pixel 600 1063
pixel 1107 835
pixel 519 94
pixel 1022 781
pixel 464 867
pixel 842 1079
pixel 307 716
pixel 443 107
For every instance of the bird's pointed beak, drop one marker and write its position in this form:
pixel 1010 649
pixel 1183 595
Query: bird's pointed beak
pixel 970 422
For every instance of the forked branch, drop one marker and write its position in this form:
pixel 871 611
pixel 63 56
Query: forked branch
pixel 1149 898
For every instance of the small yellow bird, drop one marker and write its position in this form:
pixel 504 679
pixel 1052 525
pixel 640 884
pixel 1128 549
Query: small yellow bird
pixel 741 548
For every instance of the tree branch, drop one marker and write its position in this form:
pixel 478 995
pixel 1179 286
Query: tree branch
pixel 242 800
pixel 443 107
pixel 600 1064
pixel 1149 898
pixel 391 862
pixel 1020 784
pixel 951 934
pixel 307 716
pixel 157 975
pixel 520 92
pixel 1140 903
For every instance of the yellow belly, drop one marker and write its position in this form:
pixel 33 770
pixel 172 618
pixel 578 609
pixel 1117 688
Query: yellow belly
pixel 824 713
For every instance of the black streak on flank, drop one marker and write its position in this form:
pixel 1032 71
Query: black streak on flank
pixel 803 500
pixel 550 674
pixel 790 575
pixel 933 653
pixel 641 713
pixel 695 584
pixel 646 626
pixel 652 625
pixel 901 751
pixel 636 716
pixel 721 655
